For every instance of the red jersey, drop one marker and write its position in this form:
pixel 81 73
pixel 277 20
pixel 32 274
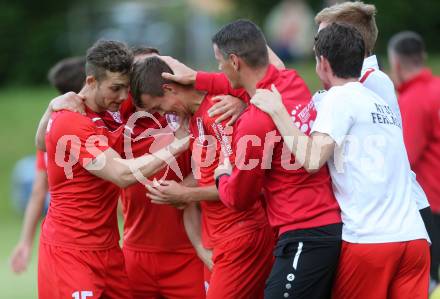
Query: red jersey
pixel 40 162
pixel 419 101
pixel 82 211
pixel 219 223
pixel 295 198
pixel 151 227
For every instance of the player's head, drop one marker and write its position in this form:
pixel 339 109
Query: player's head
pixel 406 53
pixel 339 52
pixel 153 93
pixel 142 52
pixel 108 68
pixel 239 45
pixel 357 14
pixel 68 74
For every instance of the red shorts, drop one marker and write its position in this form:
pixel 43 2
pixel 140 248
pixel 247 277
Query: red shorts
pixel 164 275
pixel 241 266
pixel 386 270
pixel 81 274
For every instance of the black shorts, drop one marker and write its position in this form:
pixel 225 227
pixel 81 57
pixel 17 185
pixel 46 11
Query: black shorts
pixel 427 218
pixel 305 263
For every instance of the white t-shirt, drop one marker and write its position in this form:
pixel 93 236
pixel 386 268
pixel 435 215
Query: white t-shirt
pixel 377 81
pixel 382 85
pixel 369 169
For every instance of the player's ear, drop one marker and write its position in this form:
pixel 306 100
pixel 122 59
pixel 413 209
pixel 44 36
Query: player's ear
pixel 325 64
pixel 169 88
pixel 235 61
pixel 91 81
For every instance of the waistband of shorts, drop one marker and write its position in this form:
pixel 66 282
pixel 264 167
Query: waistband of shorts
pixel 154 249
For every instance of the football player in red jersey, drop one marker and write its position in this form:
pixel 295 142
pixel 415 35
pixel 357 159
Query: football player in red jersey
pixel 79 253
pixel 241 241
pixel 300 205
pixel 67 75
pixel 159 257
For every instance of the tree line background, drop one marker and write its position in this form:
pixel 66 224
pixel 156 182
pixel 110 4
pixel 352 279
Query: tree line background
pixel 33 32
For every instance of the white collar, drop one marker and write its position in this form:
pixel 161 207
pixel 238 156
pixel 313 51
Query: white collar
pixel 370 62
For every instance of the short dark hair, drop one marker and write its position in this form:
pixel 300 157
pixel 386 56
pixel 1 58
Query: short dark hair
pixel 409 46
pixel 68 74
pixel 343 46
pixel 106 55
pixel 144 50
pixel 244 39
pixel 146 78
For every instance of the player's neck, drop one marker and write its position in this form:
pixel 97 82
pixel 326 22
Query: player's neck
pixel 89 99
pixel 194 99
pixel 335 81
pixel 409 74
pixel 251 77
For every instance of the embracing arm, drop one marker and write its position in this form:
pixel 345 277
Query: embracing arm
pixel 69 101
pixel 123 172
pixel 311 151
pixel 21 255
pixel 193 227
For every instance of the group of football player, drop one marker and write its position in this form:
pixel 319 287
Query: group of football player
pixel 237 184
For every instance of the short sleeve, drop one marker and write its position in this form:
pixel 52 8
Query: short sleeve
pixel 335 116
pixel 76 135
pixel 40 162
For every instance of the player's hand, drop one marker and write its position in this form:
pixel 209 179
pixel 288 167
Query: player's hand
pixel 227 107
pixel 182 73
pixel 225 168
pixel 169 193
pixel 269 101
pixel 69 101
pixel 206 256
pixel 20 257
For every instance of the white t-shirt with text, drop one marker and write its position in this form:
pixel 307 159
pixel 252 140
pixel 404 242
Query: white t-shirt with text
pixel 369 169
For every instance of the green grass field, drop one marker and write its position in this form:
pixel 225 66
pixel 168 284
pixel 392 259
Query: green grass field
pixel 21 108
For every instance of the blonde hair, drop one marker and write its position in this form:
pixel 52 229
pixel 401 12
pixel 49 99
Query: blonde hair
pixel 357 14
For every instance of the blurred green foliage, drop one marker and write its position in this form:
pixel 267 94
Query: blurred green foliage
pixel 30 33
pixel 393 16
pixel 34 34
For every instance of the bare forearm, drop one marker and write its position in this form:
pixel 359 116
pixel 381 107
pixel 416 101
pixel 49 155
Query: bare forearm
pixel 312 152
pixel 190 181
pixel 41 130
pixel 34 210
pixel 206 193
pixel 128 171
pixel 275 60
pixel 291 134
pixel 192 223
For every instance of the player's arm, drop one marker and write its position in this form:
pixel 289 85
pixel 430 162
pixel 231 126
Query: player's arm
pixel 22 253
pixel 190 180
pixel 123 172
pixel 240 186
pixel 311 151
pixel 275 60
pixel 227 107
pixel 69 101
pixel 213 83
pixel 176 194
pixel 193 228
